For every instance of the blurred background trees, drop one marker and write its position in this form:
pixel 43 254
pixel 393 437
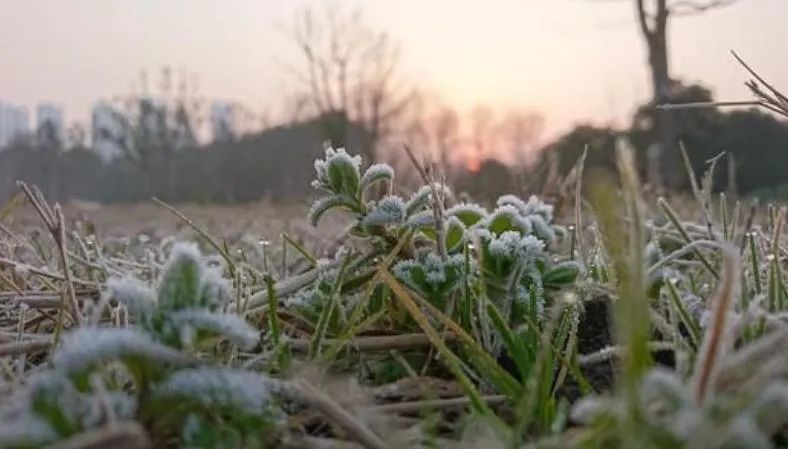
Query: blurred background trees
pixel 352 91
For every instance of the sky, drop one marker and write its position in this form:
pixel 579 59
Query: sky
pixel 571 60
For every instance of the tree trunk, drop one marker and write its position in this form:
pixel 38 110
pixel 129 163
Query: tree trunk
pixel 664 124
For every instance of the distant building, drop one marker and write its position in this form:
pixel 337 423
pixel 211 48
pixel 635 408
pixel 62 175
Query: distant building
pixel 49 124
pixel 108 133
pixel 223 126
pixel 14 123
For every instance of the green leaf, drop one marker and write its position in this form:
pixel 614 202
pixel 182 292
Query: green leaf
pixel 513 342
pixel 325 204
pixel 179 287
pixel 505 219
pixel 454 234
pixel 389 210
pixel 468 214
pixel 376 173
pixel 343 176
pixel 561 274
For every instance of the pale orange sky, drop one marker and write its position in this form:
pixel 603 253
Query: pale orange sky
pixel 571 60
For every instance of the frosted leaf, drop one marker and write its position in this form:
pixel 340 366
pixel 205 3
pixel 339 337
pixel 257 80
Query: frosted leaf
pixel 743 433
pixel 770 411
pixel 180 283
pixel 375 173
pixel 530 248
pixel 87 347
pixel 338 172
pixel 541 228
pixel 325 204
pixel 538 207
pixel 587 409
pixel 454 233
pixel 514 201
pixel 235 328
pixel 29 431
pixel 305 298
pixel 422 219
pixel 507 218
pixel 53 388
pixel 389 210
pixel 506 245
pixel 468 213
pixel 316 295
pixel 684 423
pixel 430 274
pixel 664 387
pixel 402 270
pixel 133 293
pixel 421 197
pixel 215 290
pixel 211 387
pixel 122 405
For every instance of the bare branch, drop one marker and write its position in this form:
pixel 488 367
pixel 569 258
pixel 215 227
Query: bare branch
pixel 690 7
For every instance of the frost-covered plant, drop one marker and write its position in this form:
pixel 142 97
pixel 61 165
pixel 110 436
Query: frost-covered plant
pixel 100 374
pixel 241 401
pixel 339 177
pixel 433 277
pixel 515 262
pixel 664 413
pixel 185 308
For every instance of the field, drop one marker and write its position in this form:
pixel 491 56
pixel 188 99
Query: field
pixel 378 321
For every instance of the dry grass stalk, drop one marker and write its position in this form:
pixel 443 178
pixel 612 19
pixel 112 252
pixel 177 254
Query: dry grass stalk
pixel 125 435
pixel 717 340
pixel 303 391
pixel 374 343
pixel 24 347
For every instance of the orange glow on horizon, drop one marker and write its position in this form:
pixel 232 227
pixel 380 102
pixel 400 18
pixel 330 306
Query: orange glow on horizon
pixel 473 164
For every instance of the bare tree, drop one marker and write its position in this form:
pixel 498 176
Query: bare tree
pixel 653 18
pixel 350 71
pixel 157 129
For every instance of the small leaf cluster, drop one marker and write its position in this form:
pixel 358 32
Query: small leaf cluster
pixel 152 371
pixel 339 178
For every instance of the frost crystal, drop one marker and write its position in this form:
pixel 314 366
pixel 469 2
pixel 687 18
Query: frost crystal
pixel 219 387
pixel 389 210
pixel 233 327
pixel 86 347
